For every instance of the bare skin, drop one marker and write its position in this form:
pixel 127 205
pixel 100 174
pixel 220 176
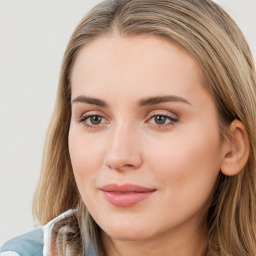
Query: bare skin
pixel 141 115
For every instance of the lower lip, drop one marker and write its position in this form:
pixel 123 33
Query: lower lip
pixel 126 199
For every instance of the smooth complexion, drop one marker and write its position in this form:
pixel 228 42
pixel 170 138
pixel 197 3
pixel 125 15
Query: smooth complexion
pixel 141 115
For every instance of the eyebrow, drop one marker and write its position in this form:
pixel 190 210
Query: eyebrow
pixel 89 100
pixel 144 102
pixel 162 99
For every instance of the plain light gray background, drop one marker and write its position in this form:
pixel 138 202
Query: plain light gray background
pixel 33 37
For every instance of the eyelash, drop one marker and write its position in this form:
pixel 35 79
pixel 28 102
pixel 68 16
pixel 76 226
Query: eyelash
pixel 84 118
pixel 172 120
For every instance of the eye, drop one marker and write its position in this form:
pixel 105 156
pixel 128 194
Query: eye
pixel 92 121
pixel 95 119
pixel 162 120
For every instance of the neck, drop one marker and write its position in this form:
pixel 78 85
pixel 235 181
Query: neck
pixel 180 242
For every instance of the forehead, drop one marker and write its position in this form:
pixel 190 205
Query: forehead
pixel 146 64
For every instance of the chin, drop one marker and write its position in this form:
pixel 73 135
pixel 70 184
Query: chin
pixel 128 233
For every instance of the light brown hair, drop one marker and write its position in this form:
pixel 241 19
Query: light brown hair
pixel 204 30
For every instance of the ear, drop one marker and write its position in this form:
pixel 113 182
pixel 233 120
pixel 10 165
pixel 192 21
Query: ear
pixel 236 149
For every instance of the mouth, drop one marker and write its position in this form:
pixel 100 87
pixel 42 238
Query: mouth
pixel 126 195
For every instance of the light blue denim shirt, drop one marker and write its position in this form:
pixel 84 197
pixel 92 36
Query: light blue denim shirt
pixel 38 241
pixel 29 244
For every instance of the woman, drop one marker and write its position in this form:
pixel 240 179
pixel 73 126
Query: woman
pixel 151 148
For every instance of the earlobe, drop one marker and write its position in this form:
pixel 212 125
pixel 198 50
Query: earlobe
pixel 237 149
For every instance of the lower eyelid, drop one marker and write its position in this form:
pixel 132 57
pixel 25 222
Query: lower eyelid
pixel 88 124
pixel 169 122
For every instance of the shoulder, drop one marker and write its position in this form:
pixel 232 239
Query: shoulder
pixel 36 242
pixel 25 245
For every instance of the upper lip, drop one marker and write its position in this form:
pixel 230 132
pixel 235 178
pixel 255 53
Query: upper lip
pixel 126 188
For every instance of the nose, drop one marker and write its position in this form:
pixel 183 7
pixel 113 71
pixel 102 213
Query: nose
pixel 123 152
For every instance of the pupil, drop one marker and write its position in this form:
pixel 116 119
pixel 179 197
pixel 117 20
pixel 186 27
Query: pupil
pixel 95 119
pixel 160 119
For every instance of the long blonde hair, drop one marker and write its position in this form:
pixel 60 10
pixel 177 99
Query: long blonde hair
pixel 207 32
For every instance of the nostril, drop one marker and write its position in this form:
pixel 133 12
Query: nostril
pixel 119 166
pixel 123 164
pixel 121 154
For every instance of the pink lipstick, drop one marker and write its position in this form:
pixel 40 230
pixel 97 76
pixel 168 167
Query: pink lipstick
pixel 125 195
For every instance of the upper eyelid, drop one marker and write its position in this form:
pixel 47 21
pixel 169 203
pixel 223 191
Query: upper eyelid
pixel 172 119
pixel 94 113
pixel 90 115
pixel 168 116
pixel 83 119
pixel 163 113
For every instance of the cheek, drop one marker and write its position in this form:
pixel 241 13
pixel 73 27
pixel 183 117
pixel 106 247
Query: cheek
pixel 187 166
pixel 86 155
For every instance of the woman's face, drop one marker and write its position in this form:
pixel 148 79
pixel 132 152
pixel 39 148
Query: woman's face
pixel 144 139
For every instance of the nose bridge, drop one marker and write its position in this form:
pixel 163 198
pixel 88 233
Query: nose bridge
pixel 123 148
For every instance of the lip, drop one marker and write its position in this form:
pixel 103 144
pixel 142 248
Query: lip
pixel 126 195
